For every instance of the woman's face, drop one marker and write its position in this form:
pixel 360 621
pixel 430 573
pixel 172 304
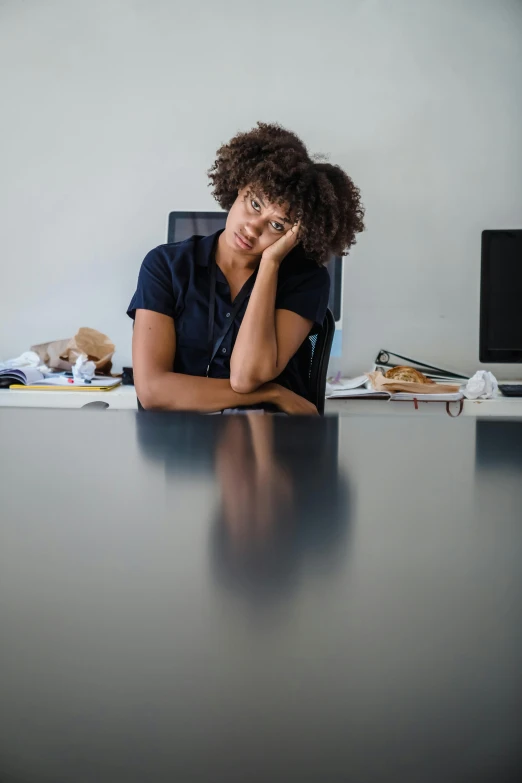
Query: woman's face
pixel 253 224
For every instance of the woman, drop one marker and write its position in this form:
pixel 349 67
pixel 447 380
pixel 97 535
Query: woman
pixel 219 319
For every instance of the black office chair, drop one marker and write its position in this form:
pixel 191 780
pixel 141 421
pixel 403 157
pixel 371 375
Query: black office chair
pixel 316 352
pixel 314 356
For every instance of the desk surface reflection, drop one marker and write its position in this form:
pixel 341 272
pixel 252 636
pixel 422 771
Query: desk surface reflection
pixel 249 598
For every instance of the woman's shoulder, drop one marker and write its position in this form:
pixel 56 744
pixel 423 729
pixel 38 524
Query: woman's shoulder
pixel 177 255
pixel 297 267
pixel 174 258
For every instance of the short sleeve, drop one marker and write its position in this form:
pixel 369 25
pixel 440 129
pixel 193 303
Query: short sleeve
pixel 155 286
pixel 306 294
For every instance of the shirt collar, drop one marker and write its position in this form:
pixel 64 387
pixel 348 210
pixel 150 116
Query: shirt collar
pixel 206 246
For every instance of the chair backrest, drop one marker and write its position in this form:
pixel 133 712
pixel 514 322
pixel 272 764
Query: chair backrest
pixel 320 343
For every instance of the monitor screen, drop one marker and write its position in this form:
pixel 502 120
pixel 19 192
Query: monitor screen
pixel 183 225
pixel 501 297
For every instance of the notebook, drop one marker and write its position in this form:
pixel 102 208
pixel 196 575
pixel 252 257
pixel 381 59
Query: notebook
pixel 371 394
pixel 31 379
pixel 355 388
pixel 24 376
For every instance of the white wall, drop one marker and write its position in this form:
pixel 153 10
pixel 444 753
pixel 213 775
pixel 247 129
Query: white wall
pixel 112 111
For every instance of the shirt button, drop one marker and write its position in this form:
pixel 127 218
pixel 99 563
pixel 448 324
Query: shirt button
pixel 223 350
pixel 228 315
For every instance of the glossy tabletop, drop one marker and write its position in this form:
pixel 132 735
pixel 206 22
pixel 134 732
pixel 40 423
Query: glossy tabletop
pixel 256 598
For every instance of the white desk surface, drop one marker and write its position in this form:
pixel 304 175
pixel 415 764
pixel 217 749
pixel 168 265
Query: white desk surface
pixel 124 398
pixel 120 398
pixel 499 407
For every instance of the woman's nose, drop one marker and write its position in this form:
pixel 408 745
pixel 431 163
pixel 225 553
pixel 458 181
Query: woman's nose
pixel 254 226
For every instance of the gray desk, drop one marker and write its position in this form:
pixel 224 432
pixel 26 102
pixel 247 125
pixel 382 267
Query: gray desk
pixel 259 599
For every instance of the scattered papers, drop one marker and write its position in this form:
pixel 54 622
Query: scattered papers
pixel 334 386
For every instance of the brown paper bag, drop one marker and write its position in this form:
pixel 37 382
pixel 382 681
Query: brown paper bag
pixel 50 354
pixel 380 383
pixel 95 345
pixel 62 354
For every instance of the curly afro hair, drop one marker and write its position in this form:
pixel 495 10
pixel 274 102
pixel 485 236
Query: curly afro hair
pixel 276 163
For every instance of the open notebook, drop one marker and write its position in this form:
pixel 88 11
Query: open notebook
pixel 382 395
pixel 355 388
pixel 31 378
pixel 25 376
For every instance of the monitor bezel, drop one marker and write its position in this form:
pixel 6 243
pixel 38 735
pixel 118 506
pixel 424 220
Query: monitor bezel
pixel 487 354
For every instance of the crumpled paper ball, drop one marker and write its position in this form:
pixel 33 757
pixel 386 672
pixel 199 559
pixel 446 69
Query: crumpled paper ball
pixel 482 386
pixel 83 370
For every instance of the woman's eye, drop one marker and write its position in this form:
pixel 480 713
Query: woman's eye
pixel 277 226
pixel 255 205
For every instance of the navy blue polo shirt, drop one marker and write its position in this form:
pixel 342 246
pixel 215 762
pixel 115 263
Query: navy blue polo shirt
pixel 174 280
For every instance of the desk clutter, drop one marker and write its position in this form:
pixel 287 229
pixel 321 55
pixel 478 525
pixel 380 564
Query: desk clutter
pixel 391 379
pixel 377 386
pixel 79 363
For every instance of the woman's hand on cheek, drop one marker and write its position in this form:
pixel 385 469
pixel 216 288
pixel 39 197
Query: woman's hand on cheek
pixel 279 250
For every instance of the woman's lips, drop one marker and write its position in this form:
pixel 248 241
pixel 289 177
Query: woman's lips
pixel 243 244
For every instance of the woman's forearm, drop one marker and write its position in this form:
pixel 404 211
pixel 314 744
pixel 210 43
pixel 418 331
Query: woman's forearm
pixel 254 358
pixel 175 391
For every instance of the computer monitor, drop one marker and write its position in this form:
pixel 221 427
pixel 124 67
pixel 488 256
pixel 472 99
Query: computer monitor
pixel 183 225
pixel 501 296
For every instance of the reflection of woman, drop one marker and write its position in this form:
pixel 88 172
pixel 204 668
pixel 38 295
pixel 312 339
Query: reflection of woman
pixel 283 500
pixel 256 489
pixel 219 319
pixel 279 506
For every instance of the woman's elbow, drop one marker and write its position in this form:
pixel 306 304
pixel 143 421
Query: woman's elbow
pixel 147 399
pixel 244 384
pixel 149 403
pixel 147 394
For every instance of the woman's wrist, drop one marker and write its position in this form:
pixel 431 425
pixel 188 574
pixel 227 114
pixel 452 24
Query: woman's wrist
pixel 269 263
pixel 271 392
